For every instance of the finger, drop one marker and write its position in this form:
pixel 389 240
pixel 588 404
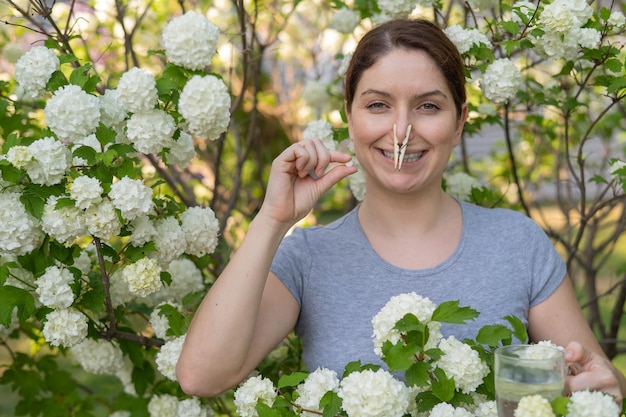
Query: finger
pixel 305 157
pixel 576 353
pixel 322 157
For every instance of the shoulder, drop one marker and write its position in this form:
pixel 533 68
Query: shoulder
pixel 346 224
pixel 496 218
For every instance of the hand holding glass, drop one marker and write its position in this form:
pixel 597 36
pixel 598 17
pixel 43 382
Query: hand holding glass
pixel 522 370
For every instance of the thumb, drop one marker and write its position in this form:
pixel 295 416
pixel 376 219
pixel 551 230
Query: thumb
pixel 575 353
pixel 333 176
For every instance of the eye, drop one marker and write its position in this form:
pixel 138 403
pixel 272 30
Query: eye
pixel 429 106
pixel 376 105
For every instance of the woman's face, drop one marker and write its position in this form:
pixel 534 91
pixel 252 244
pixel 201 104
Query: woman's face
pixel 402 88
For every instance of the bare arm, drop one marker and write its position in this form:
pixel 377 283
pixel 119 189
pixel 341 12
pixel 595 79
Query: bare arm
pixel 560 319
pixel 248 310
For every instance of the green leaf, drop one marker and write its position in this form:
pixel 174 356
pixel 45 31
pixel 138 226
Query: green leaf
pixel 56 81
pixel 291 380
pixel 617 84
pixel 399 356
pixel 330 403
pixel 12 298
pixel 443 387
pixel 426 401
pixel 519 329
pixel 559 405
pixel 450 312
pixel 418 374
pixel 614 65
pixel 493 334
pixel 409 323
pixel 510 26
pixel 87 153
pixel 264 410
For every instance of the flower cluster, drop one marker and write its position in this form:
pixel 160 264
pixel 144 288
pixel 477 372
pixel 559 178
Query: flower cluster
pixel 34 69
pixel 190 40
pixel 447 378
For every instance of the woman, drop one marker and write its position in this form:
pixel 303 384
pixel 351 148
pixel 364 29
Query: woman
pixel 405 102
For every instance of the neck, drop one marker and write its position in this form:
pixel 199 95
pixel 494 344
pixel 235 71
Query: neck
pixel 402 215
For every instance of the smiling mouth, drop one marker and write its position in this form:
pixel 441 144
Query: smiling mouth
pixel 412 157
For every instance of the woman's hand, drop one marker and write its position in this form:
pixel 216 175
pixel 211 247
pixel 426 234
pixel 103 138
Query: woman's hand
pixel 298 179
pixel 593 372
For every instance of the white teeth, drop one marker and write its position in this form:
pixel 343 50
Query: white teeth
pixel 407 158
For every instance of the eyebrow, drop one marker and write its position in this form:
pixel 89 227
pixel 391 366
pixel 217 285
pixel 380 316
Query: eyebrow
pixel 418 96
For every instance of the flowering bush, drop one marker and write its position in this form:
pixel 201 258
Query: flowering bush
pixel 427 376
pixel 135 144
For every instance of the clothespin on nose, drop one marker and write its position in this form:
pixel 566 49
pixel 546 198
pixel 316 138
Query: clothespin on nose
pixel 399 149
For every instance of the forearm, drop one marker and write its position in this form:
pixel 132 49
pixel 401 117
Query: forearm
pixel 217 349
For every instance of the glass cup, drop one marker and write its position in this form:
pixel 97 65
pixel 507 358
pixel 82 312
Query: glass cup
pixel 522 370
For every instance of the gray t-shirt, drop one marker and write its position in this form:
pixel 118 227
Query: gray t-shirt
pixel 503 265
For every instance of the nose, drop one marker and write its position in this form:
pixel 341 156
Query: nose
pixel 401 133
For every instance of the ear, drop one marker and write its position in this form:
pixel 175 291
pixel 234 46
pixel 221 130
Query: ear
pixel 460 124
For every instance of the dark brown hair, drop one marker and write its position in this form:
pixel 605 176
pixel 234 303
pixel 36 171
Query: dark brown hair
pixel 408 34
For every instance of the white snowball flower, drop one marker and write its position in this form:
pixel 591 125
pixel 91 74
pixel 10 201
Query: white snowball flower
pixel 181 151
pixel 131 197
pixel 151 131
pixel 201 229
pixel 100 357
pixel 343 66
pixel 356 181
pixel 142 230
pixel 617 19
pixel 561 16
pixel 373 394
pixel 501 80
pixel 19 156
pixel 461 362
pixel 34 69
pixel 102 221
pixel 112 112
pixel 191 407
pixel 53 287
pixel 483 407
pixel 167 357
pixel 533 406
pixel 253 390
pixel 205 105
pixel 322 130
pixel 396 308
pixel 72 113
pixel 65 327
pixel 120 293
pixel 311 391
pixel 143 277
pixel 170 240
pixel 83 262
pixel 163 405
pixel 137 90
pixel 465 39
pixel 447 410
pixel 186 278
pixel 344 21
pixel 86 191
pixel 592 404
pixel 190 40
pixel 398 7
pixel 20 232
pixel 120 414
pixel 315 94
pixel 460 185
pixel 63 224
pixel 51 160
